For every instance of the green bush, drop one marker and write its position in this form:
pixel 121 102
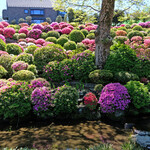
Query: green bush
pixel 139 94
pixel 112 33
pixel 81 46
pixel 70 45
pixel 32 68
pixel 44 35
pixel 6 61
pixel 129 30
pixel 101 76
pixel 62 40
pixel 3 71
pixel 28 58
pixel 30 49
pixel 120 39
pixel 15 36
pixel 23 75
pixel 44 55
pixel 53 34
pixel 123 28
pixel 134 33
pixel 138 28
pixel 83 64
pixel 13 49
pixel 2 45
pixel 85 32
pixel 98 88
pixel 128 26
pixel 123 58
pixel 124 76
pixel 65 100
pixel 21 36
pixel 15 101
pixel 148 31
pixel 91 36
pixel 76 36
pixel 148 86
pixel 51 39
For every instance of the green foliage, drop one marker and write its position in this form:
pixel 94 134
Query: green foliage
pixel 148 31
pixel 44 55
pixel 30 49
pixel 138 28
pixel 102 147
pixel 70 45
pixel 120 39
pixel 32 68
pixel 124 77
pixel 135 33
pixel 76 36
pixel 131 146
pixel 85 32
pixel 3 71
pixel 112 33
pixel 128 26
pixel 59 19
pixel 101 76
pixel 65 100
pixel 62 40
pixel 2 45
pixel 21 20
pixel 23 75
pixel 15 101
pixel 29 20
pixel 6 61
pixel 15 36
pixel 44 35
pixel 91 36
pixel 51 39
pixel 122 28
pixel 98 88
pixel 81 46
pixel 28 58
pixel 53 34
pixel 13 49
pixel 140 96
pixel 122 59
pixel 70 13
pixel 21 36
pixel 48 19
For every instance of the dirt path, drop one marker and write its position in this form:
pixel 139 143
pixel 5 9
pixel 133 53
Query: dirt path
pixel 61 137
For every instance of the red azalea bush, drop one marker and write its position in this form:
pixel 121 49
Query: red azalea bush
pixel 121 33
pixel 24 30
pixel 9 32
pixel 66 30
pixel 35 33
pixel 90 101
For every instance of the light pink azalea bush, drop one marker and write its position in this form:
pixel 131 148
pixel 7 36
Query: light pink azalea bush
pixel 19 65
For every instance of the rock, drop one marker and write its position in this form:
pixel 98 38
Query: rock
pixel 128 125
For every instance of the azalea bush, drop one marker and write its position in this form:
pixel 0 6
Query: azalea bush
pixel 34 33
pixel 19 65
pixel 39 82
pixel 114 96
pixel 3 71
pixel 9 32
pixel 13 49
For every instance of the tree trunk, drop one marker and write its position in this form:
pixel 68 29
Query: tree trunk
pixel 103 38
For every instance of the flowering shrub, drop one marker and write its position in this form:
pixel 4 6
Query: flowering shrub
pixel 23 30
pixel 66 30
pixel 89 28
pixel 39 82
pixel 147 43
pixel 38 26
pixel 2 45
pixel 2 52
pixel 1 26
pixel 47 28
pixel 3 71
pixel 1 31
pixel 2 37
pixel 56 27
pixel 139 28
pixel 40 41
pixel 120 39
pixel 65 100
pixel 42 99
pixel 28 40
pixel 23 25
pixel 35 33
pixel 114 96
pixel 139 93
pixel 9 32
pixel 3 82
pixel 135 33
pixel 54 23
pixel 4 23
pixel 90 44
pixel 15 100
pixel 90 101
pixel 19 65
pixel 32 68
pixel 121 33
pixel 23 75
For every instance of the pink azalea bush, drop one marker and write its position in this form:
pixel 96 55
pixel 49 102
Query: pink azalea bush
pixel 38 26
pixel 114 96
pixel 2 37
pixel 54 23
pixel 34 33
pixel 3 52
pixel 90 44
pixel 1 31
pixel 47 28
pixel 19 65
pixel 9 32
pixel 1 26
pixel 39 82
pixel 24 30
pixel 40 41
pixel 66 30
pixel 23 25
pixel 147 43
pixel 32 40
pixel 4 23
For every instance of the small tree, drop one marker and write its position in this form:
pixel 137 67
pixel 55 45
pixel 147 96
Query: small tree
pixel 21 20
pixel 71 14
pixel 66 18
pixel 59 19
pixel 13 21
pixel 48 19
pixel 29 20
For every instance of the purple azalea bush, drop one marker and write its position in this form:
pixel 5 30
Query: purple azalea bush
pixel 114 96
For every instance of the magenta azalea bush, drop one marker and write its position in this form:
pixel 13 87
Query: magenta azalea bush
pixel 24 30
pixel 41 98
pixel 2 37
pixel 19 65
pixel 114 96
pixel 35 33
pixel 39 82
pixel 38 26
pixel 9 32
pixel 47 28
pixel 66 30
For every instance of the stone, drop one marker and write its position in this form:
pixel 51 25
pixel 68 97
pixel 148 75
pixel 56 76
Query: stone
pixel 128 125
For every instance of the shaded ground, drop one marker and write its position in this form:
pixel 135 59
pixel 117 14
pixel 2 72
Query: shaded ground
pixel 55 136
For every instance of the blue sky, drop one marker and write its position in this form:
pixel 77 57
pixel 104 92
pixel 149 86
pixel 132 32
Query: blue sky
pixel 2 6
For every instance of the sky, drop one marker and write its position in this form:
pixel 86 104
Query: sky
pixel 2 6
